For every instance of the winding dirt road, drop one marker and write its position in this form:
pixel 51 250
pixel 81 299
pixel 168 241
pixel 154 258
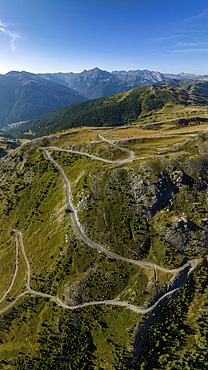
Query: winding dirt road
pixel 18 240
pixel 190 265
pixel 14 274
pixel 117 162
pixel 70 207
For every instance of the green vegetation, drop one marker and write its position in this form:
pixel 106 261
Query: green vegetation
pixel 141 105
pixel 176 336
pixel 153 208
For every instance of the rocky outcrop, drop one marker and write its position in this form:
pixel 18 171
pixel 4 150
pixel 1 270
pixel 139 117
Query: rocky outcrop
pixel 156 193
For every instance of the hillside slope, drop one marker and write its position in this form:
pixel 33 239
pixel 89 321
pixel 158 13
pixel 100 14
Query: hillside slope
pixel 100 222
pixel 137 105
pixel 24 96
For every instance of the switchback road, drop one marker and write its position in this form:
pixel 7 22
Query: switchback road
pixel 18 240
pixel 190 265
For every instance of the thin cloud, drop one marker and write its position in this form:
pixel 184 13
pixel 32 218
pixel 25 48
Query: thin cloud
pixel 190 51
pixel 13 36
pixel 181 43
pixel 190 31
pixel 164 38
pixel 201 15
pixel 178 34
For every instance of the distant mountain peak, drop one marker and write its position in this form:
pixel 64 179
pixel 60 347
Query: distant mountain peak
pixel 95 70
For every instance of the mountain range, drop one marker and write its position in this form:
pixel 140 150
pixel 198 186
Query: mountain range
pixel 24 95
pixel 97 83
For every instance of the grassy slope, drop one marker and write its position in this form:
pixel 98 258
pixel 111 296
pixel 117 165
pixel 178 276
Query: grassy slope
pixel 33 197
pixel 146 103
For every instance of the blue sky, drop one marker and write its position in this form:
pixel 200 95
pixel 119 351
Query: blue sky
pixel 72 35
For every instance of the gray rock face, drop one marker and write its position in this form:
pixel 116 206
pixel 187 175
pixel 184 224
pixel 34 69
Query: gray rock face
pixel 156 193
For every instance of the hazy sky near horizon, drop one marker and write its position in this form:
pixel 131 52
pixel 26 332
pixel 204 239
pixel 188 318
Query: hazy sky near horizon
pixel 72 35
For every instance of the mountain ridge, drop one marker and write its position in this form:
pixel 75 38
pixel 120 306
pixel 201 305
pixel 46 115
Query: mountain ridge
pixel 24 96
pixel 120 80
pixel 138 105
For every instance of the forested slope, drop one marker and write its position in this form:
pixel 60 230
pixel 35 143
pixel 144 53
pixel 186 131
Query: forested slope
pixel 116 110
